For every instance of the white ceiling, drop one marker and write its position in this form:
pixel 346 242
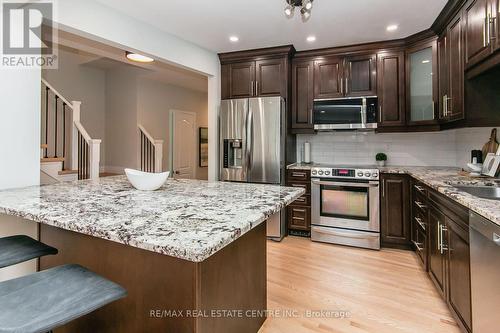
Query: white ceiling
pixel 262 23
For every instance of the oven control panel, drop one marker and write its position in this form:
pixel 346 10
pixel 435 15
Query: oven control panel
pixel 348 173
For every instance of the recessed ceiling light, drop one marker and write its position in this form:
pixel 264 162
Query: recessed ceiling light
pixel 138 57
pixel 392 27
pixel 426 61
pixel 234 39
pixel 311 39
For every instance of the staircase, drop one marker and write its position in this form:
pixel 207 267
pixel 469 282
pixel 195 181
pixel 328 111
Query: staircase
pixel 67 150
pixel 151 154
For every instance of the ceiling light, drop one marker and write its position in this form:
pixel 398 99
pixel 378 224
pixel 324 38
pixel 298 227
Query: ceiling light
pixel 311 39
pixel 234 39
pixel 426 61
pixel 392 27
pixel 138 57
pixel 305 8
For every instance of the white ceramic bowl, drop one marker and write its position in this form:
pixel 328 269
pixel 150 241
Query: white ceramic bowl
pixel 146 181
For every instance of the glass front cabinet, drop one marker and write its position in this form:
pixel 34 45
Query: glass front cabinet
pixel 422 84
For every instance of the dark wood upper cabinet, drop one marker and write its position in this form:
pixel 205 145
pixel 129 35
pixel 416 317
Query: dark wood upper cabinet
pixel 459 285
pixel 478 37
pixel 453 99
pixel 242 79
pixel 256 73
pixel 360 76
pixel 270 77
pixel 302 94
pixel 328 78
pixel 395 226
pixel 422 90
pixel 391 87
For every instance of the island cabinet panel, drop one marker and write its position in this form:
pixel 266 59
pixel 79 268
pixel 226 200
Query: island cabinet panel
pixel 395 211
pixel 360 75
pixel 391 89
pixel 302 95
pixel 167 294
pixel 299 212
pixel 477 31
pixel 329 78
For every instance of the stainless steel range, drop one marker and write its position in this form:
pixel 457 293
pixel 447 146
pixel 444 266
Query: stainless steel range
pixel 345 206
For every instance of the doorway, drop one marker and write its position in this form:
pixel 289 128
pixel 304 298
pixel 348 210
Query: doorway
pixel 183 144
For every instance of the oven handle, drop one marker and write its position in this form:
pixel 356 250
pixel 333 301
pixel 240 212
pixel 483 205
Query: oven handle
pixel 319 182
pixel 345 234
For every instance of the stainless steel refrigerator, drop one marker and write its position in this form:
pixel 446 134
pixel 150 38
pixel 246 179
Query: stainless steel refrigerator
pixel 252 146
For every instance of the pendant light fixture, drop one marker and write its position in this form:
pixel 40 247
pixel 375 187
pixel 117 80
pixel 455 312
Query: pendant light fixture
pixel 305 8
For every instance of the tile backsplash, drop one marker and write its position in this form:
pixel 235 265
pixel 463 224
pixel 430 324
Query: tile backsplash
pixel 445 148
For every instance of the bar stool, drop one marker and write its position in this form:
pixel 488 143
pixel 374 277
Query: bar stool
pixel 17 249
pixel 43 301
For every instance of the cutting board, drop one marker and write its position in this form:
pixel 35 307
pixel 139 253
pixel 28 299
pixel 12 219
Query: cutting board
pixel 492 145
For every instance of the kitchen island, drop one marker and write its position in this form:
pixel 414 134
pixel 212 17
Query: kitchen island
pixel 191 255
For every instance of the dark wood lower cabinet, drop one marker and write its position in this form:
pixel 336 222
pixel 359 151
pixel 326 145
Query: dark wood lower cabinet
pixel 437 258
pixel 395 212
pixel 299 212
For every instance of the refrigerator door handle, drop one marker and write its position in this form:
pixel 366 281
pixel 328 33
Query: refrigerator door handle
pixel 249 137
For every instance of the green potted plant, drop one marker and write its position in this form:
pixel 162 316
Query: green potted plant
pixel 381 158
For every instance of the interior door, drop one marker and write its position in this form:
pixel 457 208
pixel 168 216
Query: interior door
pixel 360 76
pixel 328 78
pixel 184 144
pixel 264 127
pixel 242 79
pixel 270 77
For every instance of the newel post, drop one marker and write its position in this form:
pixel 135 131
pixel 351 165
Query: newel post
pixel 95 156
pixel 158 155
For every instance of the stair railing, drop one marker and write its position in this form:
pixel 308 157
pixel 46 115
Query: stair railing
pixel 151 151
pixel 85 151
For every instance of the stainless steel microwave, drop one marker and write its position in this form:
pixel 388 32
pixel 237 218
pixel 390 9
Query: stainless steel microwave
pixel 345 114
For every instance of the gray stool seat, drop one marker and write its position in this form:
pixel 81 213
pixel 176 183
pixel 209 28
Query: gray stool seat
pixel 17 249
pixel 42 301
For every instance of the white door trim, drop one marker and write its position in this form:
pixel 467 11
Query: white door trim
pixel 171 141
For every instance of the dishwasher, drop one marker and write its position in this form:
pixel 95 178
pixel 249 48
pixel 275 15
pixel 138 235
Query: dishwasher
pixel 485 274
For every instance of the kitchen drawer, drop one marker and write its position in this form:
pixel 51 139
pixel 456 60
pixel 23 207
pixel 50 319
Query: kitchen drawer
pixel 298 175
pixel 419 189
pixel 304 185
pixel 420 244
pixel 304 200
pixel 419 204
pixel 299 218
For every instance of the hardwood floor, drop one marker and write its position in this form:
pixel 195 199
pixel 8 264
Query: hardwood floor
pixel 383 292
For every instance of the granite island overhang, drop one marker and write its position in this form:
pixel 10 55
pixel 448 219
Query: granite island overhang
pixel 187 254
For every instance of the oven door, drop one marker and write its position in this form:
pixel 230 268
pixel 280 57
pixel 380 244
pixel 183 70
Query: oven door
pixel 344 204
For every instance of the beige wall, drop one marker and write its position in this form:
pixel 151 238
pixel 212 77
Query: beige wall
pixel 82 83
pixel 155 100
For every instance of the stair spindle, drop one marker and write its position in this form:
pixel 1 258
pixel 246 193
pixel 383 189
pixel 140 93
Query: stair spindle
pixel 55 127
pixel 64 135
pixel 46 121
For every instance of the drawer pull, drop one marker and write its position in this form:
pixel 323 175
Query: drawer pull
pixel 299 174
pixel 417 245
pixel 299 185
pixel 420 188
pixel 298 218
pixel 420 222
pixel 299 210
pixel 301 199
pixel 420 205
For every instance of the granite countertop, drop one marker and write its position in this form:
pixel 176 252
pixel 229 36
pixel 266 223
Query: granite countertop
pixel 186 219
pixel 443 179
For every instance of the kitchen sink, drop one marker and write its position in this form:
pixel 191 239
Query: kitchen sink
pixel 486 192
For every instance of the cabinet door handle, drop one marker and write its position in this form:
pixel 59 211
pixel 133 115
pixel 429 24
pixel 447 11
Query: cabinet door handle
pixel 346 86
pixel 443 230
pixel 419 188
pixel 341 86
pixel 256 88
pixel 417 245
pixel 420 205
pixel 420 222
pixel 383 189
pixel 298 174
pixel 439 237
pixel 380 113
